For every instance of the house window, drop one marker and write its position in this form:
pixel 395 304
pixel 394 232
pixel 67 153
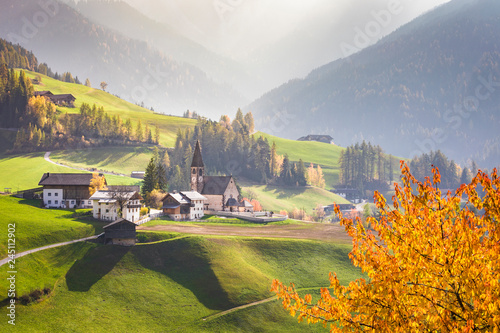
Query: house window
pixel 56 194
pixel 49 194
pixel 50 202
pixel 107 210
pixel 56 202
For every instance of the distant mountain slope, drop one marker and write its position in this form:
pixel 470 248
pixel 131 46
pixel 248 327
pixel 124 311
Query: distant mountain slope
pixel 61 36
pixel 120 16
pixel 432 84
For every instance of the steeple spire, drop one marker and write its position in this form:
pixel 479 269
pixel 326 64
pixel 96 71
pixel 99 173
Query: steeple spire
pixel 197 158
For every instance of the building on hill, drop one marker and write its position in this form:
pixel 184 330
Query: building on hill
pixel 66 190
pixel 318 138
pixel 61 100
pixel 217 189
pixel 188 205
pixel 120 232
pixel 106 204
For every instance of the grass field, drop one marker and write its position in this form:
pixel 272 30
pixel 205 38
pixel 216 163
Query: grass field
pixel 174 284
pixel 37 227
pixel 324 154
pixel 117 159
pixel 114 106
pixel 276 198
pixel 21 172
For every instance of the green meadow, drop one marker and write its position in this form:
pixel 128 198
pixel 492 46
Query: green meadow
pixel 326 155
pixel 276 198
pixel 181 284
pixel 36 227
pixel 117 159
pixel 21 172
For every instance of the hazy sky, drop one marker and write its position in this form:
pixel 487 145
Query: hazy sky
pixel 236 26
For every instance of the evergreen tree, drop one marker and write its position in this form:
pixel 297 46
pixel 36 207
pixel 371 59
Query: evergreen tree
pixel 150 181
pixel 87 83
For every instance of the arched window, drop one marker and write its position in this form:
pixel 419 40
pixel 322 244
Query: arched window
pixel 194 171
pixel 200 172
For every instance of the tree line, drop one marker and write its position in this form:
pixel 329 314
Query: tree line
pixel 365 167
pixel 452 175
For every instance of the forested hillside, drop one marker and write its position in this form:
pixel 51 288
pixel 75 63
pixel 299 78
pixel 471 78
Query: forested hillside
pixel 432 84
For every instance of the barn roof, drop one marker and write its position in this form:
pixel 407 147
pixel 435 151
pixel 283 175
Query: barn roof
pixel 197 158
pixel 215 185
pixel 66 179
pixel 118 224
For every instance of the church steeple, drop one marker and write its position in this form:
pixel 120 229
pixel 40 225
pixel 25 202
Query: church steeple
pixel 197 169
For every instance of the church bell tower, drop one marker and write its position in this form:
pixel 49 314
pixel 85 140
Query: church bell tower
pixel 197 170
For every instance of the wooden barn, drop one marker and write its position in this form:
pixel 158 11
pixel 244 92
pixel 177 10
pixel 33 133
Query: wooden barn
pixel 120 232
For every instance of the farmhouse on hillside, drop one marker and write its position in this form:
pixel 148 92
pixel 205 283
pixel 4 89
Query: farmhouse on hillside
pixel 61 100
pixel 66 190
pixel 188 205
pixel 318 138
pixel 120 232
pixel 106 204
pixel 217 189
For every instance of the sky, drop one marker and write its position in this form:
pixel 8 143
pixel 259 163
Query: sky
pixel 240 27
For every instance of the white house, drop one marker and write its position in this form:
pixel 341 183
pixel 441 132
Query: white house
pixel 106 205
pixel 187 205
pixel 66 190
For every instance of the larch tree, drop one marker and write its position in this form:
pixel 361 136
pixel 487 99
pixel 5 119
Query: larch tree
pixel 97 183
pixel 432 266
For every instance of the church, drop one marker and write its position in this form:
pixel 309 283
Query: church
pixel 221 191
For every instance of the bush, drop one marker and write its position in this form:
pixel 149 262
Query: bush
pixel 144 211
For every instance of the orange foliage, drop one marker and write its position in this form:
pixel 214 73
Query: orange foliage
pixel 434 264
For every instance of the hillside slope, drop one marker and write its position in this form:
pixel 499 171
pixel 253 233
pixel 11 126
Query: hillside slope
pixel 176 284
pixel 114 106
pixel 432 84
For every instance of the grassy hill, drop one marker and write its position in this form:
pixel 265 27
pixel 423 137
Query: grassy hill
pixel 20 172
pixel 114 106
pixel 117 159
pixel 276 198
pixel 37 227
pixel 175 284
pixel 324 154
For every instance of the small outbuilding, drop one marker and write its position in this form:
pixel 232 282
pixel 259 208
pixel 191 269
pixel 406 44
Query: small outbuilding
pixel 120 232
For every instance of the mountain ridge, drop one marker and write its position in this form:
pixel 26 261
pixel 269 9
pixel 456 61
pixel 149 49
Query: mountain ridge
pixel 407 92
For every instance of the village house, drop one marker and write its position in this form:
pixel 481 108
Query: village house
pixel 185 205
pixel 318 138
pixel 66 190
pixel 106 205
pixel 120 232
pixel 61 99
pixel 217 189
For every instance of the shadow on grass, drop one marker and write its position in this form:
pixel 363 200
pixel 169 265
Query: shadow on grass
pixel 186 262
pixel 94 266
pixel 286 192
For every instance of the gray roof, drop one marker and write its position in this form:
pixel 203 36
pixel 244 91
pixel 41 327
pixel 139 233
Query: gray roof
pixel 246 204
pixel 215 185
pixel 197 158
pixel 193 195
pixel 117 224
pixel 232 202
pixel 108 196
pixel 66 179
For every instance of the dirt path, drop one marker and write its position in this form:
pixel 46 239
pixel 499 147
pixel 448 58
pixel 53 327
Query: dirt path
pixel 317 231
pixel 47 158
pixel 22 254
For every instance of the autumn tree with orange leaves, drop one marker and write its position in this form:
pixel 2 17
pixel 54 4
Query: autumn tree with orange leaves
pixel 432 266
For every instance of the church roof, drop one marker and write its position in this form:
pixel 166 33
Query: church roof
pixel 215 185
pixel 197 158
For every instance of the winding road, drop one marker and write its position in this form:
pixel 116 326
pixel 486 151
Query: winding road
pixel 47 158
